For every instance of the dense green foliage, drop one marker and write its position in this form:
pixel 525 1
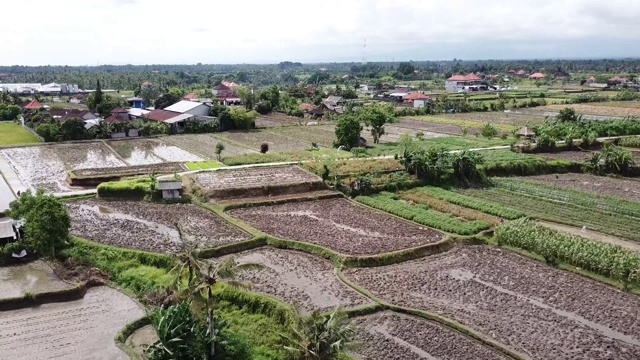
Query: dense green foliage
pixel 596 256
pixel 348 131
pixel 472 203
pixel 9 112
pixel 376 116
pixel 611 160
pixel 632 141
pixel 133 189
pixel 47 221
pixel 423 215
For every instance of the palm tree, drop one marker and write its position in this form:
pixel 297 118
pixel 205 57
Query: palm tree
pixel 465 166
pixel 320 337
pixel 201 277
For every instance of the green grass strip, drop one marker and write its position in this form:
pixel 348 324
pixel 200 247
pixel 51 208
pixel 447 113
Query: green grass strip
pixel 423 216
pixel 192 166
pixel 472 203
pixel 203 165
pixel 214 165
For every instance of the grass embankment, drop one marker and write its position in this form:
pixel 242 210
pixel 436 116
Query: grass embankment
pixel 294 156
pixel 131 189
pixel 258 319
pixel 423 214
pixel 14 134
pixel 612 261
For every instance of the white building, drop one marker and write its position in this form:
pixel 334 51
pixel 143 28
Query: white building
pixel 189 107
pixel 462 82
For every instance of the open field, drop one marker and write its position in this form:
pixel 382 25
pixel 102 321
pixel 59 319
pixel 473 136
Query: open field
pixel 299 279
pixel 577 156
pixel 421 125
pixel 150 151
pixel 275 119
pixel 260 181
pixel 338 225
pixel 599 185
pixel 538 310
pixel 463 122
pixel 87 155
pixel 601 109
pixel 393 336
pixel 35 277
pixel 13 134
pixel 82 329
pixel 497 118
pixel 254 138
pixel 322 135
pixel 393 133
pixel 204 145
pixel 548 209
pixel 149 226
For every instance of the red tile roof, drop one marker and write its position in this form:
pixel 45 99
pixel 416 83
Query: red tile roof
pixel 537 76
pixel 521 72
pixel 416 96
pixel 191 96
pixel 618 78
pixel 115 119
pixel 230 84
pixel 33 105
pixel 147 83
pixel 470 77
pixel 119 111
pixel 161 115
pixel 306 106
pixel 221 87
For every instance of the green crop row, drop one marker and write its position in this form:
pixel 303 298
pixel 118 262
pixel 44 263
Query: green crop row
pixel 562 213
pixel 601 258
pixel 576 197
pixel 472 203
pixel 423 215
pixel 633 142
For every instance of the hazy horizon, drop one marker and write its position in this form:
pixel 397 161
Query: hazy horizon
pixel 140 32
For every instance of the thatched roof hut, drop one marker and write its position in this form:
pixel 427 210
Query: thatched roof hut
pixel 526 132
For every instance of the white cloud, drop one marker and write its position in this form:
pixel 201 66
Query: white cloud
pixel 83 32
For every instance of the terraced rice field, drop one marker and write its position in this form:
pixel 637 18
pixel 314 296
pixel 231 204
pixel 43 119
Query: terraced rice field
pixel 323 135
pixel 254 138
pixel 150 151
pixel 204 145
pixel 421 125
pixel 46 166
pixel 149 226
pixel 613 109
pixel 82 329
pixel 623 188
pixel 35 277
pixel 393 336
pixel 540 311
pixel 500 118
pixel 298 278
pixel 339 225
pixel 276 119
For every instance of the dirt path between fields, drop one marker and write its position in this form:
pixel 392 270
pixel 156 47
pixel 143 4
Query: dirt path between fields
pixel 593 235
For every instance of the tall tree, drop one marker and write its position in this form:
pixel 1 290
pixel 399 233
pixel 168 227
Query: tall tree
pixel 347 131
pixel 97 96
pixel 377 116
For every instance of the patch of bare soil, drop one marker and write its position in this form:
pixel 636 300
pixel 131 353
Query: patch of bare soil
pixel 82 329
pixel 307 196
pixel 538 310
pixel 600 185
pixel 141 339
pixel 338 224
pixel 601 109
pixel 392 336
pixel 257 182
pixel 127 170
pixel 72 271
pixel 299 279
pixel 593 235
pixel 149 226
pixel 421 125
pixel 35 277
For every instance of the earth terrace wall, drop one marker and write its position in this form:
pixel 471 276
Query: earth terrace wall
pixel 30 300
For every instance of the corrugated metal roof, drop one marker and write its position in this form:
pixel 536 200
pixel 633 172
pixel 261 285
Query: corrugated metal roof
pixel 6 229
pixel 183 106
pixel 179 118
pixel 170 185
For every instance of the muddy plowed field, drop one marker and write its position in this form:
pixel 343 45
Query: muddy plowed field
pixel 392 336
pixel 543 312
pixel 151 227
pixel 204 145
pixel 299 279
pixel 338 224
pixel 82 329
pixel 150 151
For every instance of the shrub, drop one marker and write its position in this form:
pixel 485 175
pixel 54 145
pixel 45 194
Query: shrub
pixel 133 189
pixel 264 148
pixel 489 131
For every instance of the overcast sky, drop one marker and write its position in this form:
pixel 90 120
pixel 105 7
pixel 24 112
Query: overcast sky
pixel 90 32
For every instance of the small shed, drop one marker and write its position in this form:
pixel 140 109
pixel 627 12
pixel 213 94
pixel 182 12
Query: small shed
pixel 8 232
pixel 526 132
pixel 171 189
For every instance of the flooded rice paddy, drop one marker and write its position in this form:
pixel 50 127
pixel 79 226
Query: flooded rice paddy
pixel 35 277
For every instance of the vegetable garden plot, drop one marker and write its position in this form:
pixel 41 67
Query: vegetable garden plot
pixel 563 213
pixel 389 335
pixel 299 279
pixel 149 226
pixel 601 109
pixel 323 135
pixel 622 188
pixel 538 310
pixel 204 145
pixel 276 119
pixel 338 225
